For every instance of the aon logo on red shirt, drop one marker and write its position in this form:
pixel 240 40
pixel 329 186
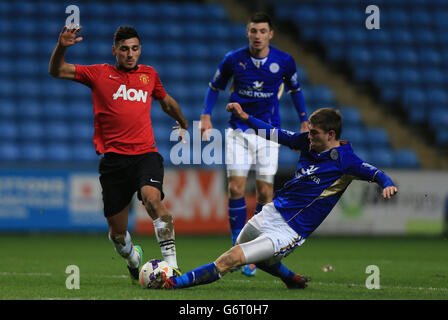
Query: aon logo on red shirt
pixel 131 94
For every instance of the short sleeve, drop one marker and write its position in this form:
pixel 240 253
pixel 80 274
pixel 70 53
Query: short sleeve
pixel 87 74
pixel 158 92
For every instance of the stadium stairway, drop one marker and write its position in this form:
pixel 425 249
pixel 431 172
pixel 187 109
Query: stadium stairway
pixel 401 136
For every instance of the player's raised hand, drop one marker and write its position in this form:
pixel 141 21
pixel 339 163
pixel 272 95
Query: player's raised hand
pixel 68 35
pixel 205 125
pixel 388 192
pixel 236 109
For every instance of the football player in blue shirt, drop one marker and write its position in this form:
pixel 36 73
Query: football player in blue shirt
pixel 259 74
pixel 326 167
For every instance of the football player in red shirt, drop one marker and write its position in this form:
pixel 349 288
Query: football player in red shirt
pixel 123 134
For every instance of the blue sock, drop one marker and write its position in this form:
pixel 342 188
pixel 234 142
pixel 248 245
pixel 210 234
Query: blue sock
pixel 206 274
pixel 237 216
pixel 278 270
pixel 258 208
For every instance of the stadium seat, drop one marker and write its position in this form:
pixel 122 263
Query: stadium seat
pixel 32 152
pixel 57 131
pixel 405 158
pixel 438 118
pixel 7 109
pixel 84 152
pixel 9 152
pixel 58 152
pixel 351 116
pixel 31 131
pixel 376 137
pixel 381 158
pixel 8 130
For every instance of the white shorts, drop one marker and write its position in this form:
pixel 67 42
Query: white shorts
pixel 245 149
pixel 268 224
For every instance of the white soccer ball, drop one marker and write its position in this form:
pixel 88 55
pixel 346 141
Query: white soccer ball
pixel 151 268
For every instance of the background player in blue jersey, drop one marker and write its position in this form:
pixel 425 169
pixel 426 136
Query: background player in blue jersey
pixel 326 167
pixel 259 73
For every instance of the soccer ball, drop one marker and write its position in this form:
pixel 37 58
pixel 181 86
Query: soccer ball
pixel 151 268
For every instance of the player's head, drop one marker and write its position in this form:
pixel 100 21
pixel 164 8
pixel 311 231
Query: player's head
pixel 126 48
pixel 259 31
pixel 325 128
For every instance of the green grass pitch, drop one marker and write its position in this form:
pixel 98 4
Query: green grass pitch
pixel 33 266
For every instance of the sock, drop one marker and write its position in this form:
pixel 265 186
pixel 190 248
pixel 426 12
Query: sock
pixel 124 247
pixel 278 270
pixel 202 275
pixel 237 217
pixel 164 230
pixel 258 208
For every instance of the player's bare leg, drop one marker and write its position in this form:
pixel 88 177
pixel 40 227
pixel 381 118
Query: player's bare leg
pixel 163 223
pixel 121 239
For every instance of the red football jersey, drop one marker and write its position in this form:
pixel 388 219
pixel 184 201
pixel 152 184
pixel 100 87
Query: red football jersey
pixel 122 106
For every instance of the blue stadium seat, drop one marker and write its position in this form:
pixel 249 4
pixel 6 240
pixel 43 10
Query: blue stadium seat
pixel 351 116
pixel 381 157
pixel 84 152
pixel 82 131
pixel 55 110
pixel 429 57
pixel 7 88
pixel 376 137
pixel 424 37
pixel 436 96
pixel 354 135
pixel 31 130
pixel 405 158
pixel 321 95
pixel 442 136
pixel 383 56
pixel 57 131
pixel 9 152
pixel 29 109
pixel 306 15
pixel 408 77
pixel 432 77
pixel 359 55
pixel 406 57
pixel 413 96
pixel 32 152
pixel 58 152
pixel 385 76
pixel 400 37
pixel 438 118
pixel 8 130
pixel 7 109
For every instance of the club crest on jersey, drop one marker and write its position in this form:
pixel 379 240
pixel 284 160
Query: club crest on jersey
pixel 144 78
pixel 131 94
pixel 274 67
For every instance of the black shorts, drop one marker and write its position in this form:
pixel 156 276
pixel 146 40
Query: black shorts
pixel 122 175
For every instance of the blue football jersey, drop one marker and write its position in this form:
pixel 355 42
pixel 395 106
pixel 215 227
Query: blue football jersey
pixel 319 181
pixel 256 88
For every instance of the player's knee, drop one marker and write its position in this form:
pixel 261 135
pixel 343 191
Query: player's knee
pixel 151 201
pixel 236 189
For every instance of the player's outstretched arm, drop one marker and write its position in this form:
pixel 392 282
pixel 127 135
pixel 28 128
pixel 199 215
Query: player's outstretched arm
pixel 58 68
